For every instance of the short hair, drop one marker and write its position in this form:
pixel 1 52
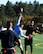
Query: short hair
pixel 8 24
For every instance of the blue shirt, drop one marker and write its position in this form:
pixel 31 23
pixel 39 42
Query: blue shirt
pixel 18 29
pixel 7 38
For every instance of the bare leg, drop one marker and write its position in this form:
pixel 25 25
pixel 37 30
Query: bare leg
pixel 21 48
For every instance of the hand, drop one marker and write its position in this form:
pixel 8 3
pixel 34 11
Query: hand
pixel 21 15
pixel 30 37
pixel 27 37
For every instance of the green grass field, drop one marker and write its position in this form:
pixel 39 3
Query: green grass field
pixel 37 45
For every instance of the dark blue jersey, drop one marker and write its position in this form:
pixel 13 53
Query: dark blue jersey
pixel 7 38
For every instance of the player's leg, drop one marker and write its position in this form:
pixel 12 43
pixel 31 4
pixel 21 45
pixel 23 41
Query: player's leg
pixel 19 45
pixel 31 45
pixel 26 51
pixel 25 43
pixel 31 48
pixel 21 48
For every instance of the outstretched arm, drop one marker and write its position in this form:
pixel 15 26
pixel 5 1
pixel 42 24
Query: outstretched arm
pixel 19 19
pixel 18 23
pixel 21 34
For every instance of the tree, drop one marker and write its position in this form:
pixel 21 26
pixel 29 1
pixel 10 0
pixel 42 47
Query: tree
pixel 41 7
pixel 37 8
pixel 35 2
pixel 9 10
pixel 2 11
pixel 16 8
pixel 30 8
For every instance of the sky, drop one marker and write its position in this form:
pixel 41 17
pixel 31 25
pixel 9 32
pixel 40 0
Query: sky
pixel 13 1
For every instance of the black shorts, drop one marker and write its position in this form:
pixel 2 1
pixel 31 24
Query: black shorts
pixel 28 42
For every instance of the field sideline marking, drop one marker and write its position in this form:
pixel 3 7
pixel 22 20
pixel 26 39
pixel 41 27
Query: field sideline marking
pixel 38 45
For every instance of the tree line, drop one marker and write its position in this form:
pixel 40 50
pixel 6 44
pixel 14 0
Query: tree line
pixel 11 10
pixel 31 11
